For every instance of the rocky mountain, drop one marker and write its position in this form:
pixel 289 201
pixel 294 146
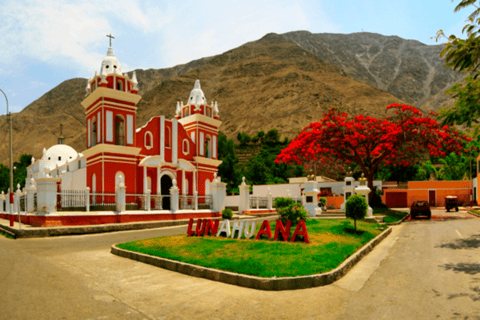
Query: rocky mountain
pixel 408 69
pixel 280 81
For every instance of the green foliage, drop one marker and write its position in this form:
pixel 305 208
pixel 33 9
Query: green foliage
pixel 396 173
pixel 356 208
pixel 227 213
pixel 228 169
pixel 243 138
pixel 19 174
pixel 281 202
pixel 323 201
pixel 293 212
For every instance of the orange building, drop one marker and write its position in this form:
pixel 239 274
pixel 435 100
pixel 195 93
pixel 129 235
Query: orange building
pixel 432 191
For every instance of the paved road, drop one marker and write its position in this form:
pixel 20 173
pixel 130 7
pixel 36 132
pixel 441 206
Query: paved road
pixel 423 270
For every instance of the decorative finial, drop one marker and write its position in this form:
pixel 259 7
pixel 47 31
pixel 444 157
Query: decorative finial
pixel 243 181
pixel 362 180
pixel 33 160
pixel 349 173
pixel 174 182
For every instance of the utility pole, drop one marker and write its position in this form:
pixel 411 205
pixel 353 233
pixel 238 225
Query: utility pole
pixel 9 120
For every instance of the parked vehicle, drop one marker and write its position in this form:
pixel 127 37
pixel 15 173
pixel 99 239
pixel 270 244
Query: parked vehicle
pixel 420 208
pixel 451 202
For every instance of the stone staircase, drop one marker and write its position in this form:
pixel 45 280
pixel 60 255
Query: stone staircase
pixel 331 215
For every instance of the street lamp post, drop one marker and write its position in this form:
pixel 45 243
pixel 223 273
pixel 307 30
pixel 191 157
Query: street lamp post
pixel 9 120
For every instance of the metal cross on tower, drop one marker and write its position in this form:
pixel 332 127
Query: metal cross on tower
pixel 111 37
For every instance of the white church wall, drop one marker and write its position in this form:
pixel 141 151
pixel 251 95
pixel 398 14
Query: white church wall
pixel 75 180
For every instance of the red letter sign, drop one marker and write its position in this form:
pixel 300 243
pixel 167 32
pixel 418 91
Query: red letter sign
pixel 264 229
pixel 303 232
pixel 190 232
pixel 201 224
pixel 211 227
pixel 285 231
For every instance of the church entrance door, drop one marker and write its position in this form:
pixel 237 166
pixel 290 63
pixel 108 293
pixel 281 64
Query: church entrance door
pixel 166 184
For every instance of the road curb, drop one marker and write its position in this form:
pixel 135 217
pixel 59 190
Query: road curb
pixel 102 228
pixel 253 282
pixel 398 222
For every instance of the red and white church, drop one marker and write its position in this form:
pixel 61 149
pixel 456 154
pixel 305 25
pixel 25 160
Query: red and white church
pixel 161 153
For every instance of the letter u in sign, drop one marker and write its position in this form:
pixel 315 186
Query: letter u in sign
pixel 253 226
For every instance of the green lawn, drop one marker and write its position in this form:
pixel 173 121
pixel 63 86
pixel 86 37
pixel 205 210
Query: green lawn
pixel 391 216
pixel 331 242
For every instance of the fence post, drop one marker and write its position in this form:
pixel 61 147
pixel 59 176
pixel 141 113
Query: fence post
pixel 31 189
pixel 218 190
pixel 2 201
pixel 348 189
pixel 244 204
pixel 8 208
pixel 147 196
pixel 16 199
pixel 195 195
pixel 174 196
pixel 269 200
pixel 47 194
pixel 120 195
pixel 87 199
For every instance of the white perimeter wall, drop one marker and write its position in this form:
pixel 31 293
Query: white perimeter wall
pixel 75 180
pixel 280 190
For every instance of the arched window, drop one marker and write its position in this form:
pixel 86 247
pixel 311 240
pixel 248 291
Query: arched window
pixel 119 130
pixel 185 114
pixel 185 146
pixel 167 137
pixel 208 145
pixel 149 183
pixel 119 85
pixel 93 134
pixel 208 112
pixel 148 140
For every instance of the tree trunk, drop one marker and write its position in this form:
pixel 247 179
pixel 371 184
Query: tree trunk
pixel 370 185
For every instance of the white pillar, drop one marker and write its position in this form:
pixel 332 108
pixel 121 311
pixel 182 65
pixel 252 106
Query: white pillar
pixel 195 195
pixel 195 180
pixel 120 195
pixel 8 208
pixel 348 190
pixel 147 207
pixel 2 202
pixel 174 196
pixel 87 199
pixel 269 200
pixel 18 194
pixel 31 189
pixel 244 203
pixel 159 190
pixel 145 187
pixel 310 196
pixel 184 191
pixel 47 195
pixel 218 190
pixel 364 191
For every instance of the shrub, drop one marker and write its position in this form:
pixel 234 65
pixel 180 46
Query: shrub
pixel 227 214
pixel 376 201
pixel 323 201
pixel 356 208
pixel 281 202
pixel 293 212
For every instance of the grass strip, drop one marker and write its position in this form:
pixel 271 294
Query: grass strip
pixel 391 216
pixel 332 241
pixel 7 235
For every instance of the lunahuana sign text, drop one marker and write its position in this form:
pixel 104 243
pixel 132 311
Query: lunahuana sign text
pixel 205 227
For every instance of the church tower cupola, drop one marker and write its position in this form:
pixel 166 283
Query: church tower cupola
pixel 197 97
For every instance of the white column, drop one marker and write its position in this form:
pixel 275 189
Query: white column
pixel 46 195
pixel 87 199
pixel 18 194
pixel 244 204
pixel 218 190
pixel 144 179
pixel 31 189
pixel 120 195
pixel 183 182
pixel 159 190
pixel 147 207
pixel 195 181
pixel 2 201
pixel 269 200
pixel 174 196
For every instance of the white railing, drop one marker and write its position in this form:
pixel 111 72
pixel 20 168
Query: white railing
pixel 258 202
pixel 205 202
pixel 71 199
pixel 103 201
pixel 160 202
pixel 187 202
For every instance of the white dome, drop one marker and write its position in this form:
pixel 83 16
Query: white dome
pixel 110 64
pixel 196 95
pixel 59 154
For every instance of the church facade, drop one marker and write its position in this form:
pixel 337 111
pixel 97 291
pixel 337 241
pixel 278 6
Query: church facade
pixel 163 152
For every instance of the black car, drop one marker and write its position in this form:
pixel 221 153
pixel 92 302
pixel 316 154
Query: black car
pixel 420 208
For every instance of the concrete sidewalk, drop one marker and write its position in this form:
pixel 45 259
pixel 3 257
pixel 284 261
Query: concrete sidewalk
pixel 27 231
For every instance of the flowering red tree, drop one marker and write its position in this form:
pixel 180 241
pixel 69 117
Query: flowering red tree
pixel 401 139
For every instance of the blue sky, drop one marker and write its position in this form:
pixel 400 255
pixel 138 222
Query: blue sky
pixel 46 42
